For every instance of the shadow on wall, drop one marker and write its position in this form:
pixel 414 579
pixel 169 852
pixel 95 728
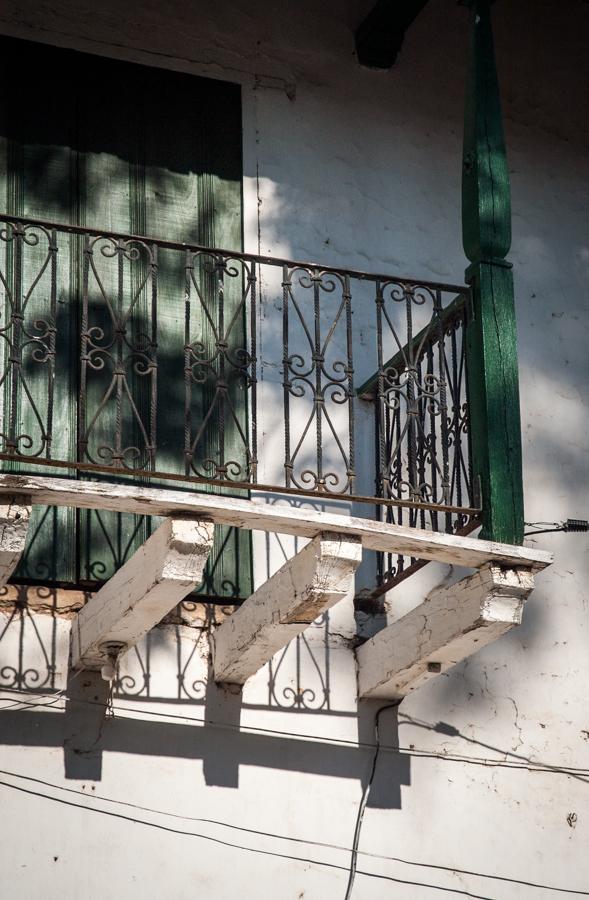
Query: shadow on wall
pixel 185 714
pixel 88 727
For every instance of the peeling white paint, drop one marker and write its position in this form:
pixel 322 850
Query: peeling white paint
pixel 496 752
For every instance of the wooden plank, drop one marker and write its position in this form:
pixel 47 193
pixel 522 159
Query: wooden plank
pixel 285 605
pixel 15 513
pixel 258 515
pixel 491 336
pixel 52 601
pixel 379 37
pixel 452 624
pixel 167 567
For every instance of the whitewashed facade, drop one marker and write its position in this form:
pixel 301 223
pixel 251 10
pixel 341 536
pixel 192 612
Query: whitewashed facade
pixel 481 783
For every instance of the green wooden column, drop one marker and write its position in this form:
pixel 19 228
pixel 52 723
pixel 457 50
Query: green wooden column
pixel 491 334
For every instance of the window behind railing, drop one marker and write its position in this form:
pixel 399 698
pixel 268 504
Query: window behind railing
pixel 232 372
pixel 89 141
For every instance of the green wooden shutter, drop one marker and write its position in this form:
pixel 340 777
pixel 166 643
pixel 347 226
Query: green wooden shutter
pixel 121 147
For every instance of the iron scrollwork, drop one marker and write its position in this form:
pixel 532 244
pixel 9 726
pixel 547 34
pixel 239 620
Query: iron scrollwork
pixel 319 451
pixel 118 351
pixel 421 412
pixel 28 276
pixel 220 372
pixel 108 325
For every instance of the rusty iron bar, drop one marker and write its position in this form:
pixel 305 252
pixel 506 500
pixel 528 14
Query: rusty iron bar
pixel 235 485
pixel 233 254
pixel 125 356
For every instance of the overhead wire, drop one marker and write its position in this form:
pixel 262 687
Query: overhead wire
pixel 364 800
pixel 323 863
pixel 284 837
pixel 486 762
pixel 378 747
pixel 568 526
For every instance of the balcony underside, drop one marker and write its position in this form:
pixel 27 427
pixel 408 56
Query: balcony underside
pixel 447 627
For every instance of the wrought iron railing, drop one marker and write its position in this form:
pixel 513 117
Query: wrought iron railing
pixel 421 411
pixel 143 357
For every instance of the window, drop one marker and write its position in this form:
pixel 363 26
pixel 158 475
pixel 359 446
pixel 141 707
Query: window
pixel 118 147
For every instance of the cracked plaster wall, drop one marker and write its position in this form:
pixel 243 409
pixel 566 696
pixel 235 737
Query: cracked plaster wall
pixel 358 168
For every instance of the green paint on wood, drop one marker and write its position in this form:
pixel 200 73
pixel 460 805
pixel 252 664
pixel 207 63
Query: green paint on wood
pixel 36 178
pixel 141 150
pixel 491 334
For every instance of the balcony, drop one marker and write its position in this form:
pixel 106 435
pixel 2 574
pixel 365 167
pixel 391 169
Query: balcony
pixel 238 372
pixel 141 375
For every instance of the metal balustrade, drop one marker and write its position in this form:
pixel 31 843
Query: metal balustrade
pixel 134 356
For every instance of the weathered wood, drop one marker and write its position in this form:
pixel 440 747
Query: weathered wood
pixel 450 625
pixel 65 603
pixel 167 567
pixel 491 338
pixel 379 37
pixel 52 601
pixel 320 575
pixel 258 515
pixel 15 513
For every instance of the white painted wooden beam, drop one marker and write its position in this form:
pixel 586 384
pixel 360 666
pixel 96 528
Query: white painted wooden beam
pixel 450 625
pixel 15 512
pixel 285 605
pixel 167 567
pixel 254 514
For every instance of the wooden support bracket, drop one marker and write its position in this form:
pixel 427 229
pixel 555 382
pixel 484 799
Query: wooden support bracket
pixel 158 576
pixel 285 605
pixel 15 512
pixel 379 37
pixel 450 625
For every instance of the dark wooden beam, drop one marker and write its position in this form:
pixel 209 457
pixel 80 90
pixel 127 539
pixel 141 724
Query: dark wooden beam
pixel 380 36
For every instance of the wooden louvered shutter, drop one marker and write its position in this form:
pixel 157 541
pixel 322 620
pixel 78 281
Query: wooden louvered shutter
pixel 126 148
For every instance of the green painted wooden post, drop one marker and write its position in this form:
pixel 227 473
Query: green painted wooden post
pixel 491 333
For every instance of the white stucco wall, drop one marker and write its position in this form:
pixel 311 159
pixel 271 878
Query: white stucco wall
pixel 356 168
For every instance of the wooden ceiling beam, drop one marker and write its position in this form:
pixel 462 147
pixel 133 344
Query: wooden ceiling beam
pixel 380 36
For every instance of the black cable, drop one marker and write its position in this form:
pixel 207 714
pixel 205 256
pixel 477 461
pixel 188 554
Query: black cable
pixel 569 526
pixel 364 800
pixel 542 531
pixel 546 768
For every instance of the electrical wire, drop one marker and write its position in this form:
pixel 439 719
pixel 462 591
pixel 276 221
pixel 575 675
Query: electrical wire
pixel 281 837
pixel 485 762
pixel 364 800
pixel 569 526
pixel 355 851
pixel 454 891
